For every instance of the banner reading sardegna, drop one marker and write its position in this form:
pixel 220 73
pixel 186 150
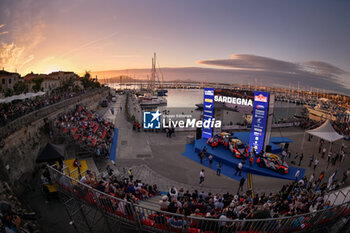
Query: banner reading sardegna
pixel 260 114
pixel 208 111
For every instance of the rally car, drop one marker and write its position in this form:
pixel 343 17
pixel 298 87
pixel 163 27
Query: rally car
pixel 273 162
pixel 224 138
pixel 238 148
pixel 220 138
pixel 213 141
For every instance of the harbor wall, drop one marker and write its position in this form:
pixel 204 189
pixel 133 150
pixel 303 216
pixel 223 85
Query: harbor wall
pixel 24 137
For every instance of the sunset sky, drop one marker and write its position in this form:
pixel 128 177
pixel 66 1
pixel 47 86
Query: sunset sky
pixel 79 35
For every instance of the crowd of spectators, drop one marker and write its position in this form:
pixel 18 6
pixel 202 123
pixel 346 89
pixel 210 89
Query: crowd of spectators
pixel 342 127
pixel 299 197
pixel 295 198
pixel 17 108
pixel 88 129
pixel 124 189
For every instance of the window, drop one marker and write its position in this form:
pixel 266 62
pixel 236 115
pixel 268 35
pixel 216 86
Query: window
pixel 9 80
pixel 3 81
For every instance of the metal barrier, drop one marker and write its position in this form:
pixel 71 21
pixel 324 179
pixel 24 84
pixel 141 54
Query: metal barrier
pixel 140 219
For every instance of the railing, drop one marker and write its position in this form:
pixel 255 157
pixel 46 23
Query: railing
pixel 143 219
pixel 20 122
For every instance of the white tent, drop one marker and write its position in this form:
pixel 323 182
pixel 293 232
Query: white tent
pixel 326 132
pixel 21 97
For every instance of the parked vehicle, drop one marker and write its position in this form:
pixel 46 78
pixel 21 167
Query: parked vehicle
pixel 238 148
pixel 273 162
pixel 213 141
pixel 104 104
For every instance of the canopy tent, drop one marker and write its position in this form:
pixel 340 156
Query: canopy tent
pixel 21 97
pixel 326 132
pixel 51 153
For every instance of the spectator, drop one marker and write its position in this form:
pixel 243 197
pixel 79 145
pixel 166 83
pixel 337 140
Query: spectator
pixel 218 168
pixel 316 163
pixel 201 177
pixel 241 183
pixel 251 160
pixel 10 222
pixel 297 174
pixel 131 176
pixel 301 158
pixel 311 160
pixel 164 203
pixel 239 169
pixel 210 160
pixel 324 152
pixel 173 192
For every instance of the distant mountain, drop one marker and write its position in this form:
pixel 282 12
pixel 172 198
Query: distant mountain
pixel 232 76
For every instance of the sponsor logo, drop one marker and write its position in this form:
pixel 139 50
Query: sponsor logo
pixel 151 120
pixel 208 111
pixel 233 100
pixel 208 123
pixel 259 106
pixel 260 98
pixel 208 100
pixel 209 106
pixel 209 92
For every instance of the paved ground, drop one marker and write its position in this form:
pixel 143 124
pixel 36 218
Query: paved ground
pixel 157 159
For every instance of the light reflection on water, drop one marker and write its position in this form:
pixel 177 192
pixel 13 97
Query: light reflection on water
pixel 183 102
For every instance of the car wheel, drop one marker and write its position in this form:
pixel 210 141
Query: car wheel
pixel 281 171
pixel 261 164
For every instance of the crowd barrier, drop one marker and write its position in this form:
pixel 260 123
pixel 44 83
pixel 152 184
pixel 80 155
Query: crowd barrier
pixel 142 219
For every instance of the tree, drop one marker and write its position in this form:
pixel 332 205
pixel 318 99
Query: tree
pixel 37 84
pixel 8 92
pixel 20 87
pixel 87 81
pixel 68 84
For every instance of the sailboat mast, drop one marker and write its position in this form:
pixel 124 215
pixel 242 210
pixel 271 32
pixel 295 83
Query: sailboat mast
pixel 153 72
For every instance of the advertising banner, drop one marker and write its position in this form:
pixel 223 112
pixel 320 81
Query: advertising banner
pixel 208 111
pixel 260 114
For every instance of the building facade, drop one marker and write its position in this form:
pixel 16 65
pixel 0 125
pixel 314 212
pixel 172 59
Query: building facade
pixel 8 79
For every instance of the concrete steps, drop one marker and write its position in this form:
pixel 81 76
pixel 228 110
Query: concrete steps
pixel 151 203
pixel 149 176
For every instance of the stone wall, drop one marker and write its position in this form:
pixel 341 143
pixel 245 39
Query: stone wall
pixel 26 136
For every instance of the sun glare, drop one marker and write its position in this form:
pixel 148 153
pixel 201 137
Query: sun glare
pixel 51 69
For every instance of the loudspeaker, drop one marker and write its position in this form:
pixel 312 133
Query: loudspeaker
pixel 268 148
pixel 198 133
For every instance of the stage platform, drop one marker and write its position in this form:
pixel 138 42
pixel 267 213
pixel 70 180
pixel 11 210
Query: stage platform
pixel 274 141
pixel 229 162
